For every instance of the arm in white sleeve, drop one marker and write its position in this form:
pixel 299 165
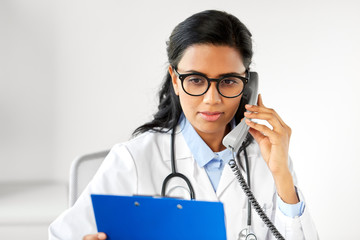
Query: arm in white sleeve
pixel 300 227
pixel 116 175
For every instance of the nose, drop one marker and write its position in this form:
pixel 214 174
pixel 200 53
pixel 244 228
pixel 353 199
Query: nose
pixel 212 96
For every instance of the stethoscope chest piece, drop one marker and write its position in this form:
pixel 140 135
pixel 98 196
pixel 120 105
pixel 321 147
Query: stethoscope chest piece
pixel 245 234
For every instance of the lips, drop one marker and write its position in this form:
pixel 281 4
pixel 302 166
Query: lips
pixel 210 116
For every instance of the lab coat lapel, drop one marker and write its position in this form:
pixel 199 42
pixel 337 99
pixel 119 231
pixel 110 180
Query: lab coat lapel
pixel 199 178
pixel 197 175
pixel 187 165
pixel 204 189
pixel 227 177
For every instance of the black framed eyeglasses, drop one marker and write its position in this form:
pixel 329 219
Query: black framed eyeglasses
pixel 197 84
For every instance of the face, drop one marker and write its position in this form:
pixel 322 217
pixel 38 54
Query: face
pixel 210 113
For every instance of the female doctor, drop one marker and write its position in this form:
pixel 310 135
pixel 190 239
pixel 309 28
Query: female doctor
pixel 213 44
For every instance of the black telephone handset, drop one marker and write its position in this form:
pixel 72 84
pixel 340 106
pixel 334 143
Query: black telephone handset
pixel 235 137
pixel 233 141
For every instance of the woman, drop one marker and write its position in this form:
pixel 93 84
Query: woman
pixel 212 43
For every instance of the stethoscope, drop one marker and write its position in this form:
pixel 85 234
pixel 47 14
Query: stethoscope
pixel 246 233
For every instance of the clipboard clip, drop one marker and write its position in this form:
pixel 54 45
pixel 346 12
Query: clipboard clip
pixel 137 204
pixel 157 196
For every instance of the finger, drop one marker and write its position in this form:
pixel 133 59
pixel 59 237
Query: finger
pixel 90 237
pixel 101 235
pixel 269 117
pixel 275 113
pixel 95 236
pixel 262 108
pixel 262 128
pixel 257 134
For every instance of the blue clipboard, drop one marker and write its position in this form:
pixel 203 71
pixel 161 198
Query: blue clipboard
pixel 150 218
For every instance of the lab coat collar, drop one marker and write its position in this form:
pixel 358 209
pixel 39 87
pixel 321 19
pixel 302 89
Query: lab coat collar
pixel 181 149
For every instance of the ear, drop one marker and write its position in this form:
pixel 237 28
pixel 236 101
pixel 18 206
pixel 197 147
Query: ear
pixel 174 80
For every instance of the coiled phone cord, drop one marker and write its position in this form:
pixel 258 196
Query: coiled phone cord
pixel 248 184
pixel 253 200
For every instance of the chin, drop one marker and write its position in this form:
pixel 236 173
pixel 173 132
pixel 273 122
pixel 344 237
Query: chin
pixel 210 128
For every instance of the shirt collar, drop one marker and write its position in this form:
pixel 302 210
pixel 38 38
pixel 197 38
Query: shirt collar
pixel 201 151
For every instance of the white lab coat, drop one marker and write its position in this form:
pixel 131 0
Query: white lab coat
pixel 140 165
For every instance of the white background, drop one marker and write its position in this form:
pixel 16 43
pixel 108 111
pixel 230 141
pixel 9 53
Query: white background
pixel 79 76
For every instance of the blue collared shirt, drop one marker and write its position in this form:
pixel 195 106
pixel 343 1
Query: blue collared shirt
pixel 214 163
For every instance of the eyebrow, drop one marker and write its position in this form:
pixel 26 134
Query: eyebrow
pixel 220 75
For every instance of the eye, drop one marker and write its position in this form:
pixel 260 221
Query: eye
pixel 230 81
pixel 195 80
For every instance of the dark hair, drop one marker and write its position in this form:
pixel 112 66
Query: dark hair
pixel 206 27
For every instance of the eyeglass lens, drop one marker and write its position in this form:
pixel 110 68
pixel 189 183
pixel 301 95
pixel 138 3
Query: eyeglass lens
pixel 197 85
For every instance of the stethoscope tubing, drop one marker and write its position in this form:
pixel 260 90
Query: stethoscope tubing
pixel 174 173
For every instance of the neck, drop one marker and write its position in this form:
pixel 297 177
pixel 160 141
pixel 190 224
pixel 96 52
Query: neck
pixel 214 140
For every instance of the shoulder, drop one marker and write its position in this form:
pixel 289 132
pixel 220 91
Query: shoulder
pixel 153 144
pixel 126 155
pixel 147 139
pixel 143 144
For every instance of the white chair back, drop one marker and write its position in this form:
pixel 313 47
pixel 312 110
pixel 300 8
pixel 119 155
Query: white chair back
pixel 82 170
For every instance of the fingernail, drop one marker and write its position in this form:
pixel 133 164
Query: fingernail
pixel 248 105
pixel 101 236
